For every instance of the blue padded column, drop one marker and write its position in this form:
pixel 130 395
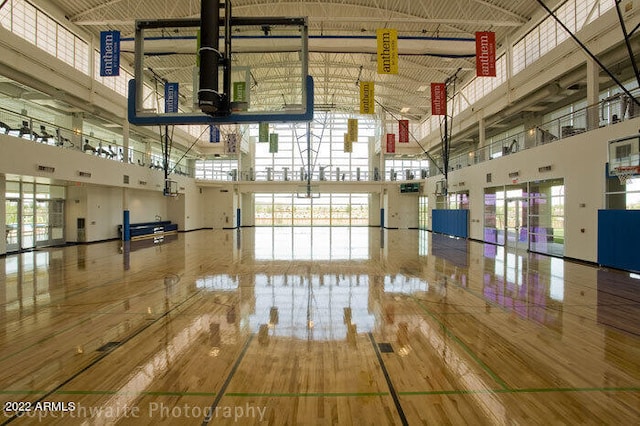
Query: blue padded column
pixel 126 226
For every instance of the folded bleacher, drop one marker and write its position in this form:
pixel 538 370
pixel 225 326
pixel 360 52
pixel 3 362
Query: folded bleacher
pixel 142 230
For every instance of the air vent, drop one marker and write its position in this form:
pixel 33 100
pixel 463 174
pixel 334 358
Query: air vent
pixel 544 169
pixel 46 169
pixel 125 179
pixel 84 174
pixel 514 174
pixel 141 182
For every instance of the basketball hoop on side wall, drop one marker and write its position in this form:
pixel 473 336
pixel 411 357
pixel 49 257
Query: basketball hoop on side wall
pixel 625 173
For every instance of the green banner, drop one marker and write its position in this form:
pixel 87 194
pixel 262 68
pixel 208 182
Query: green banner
pixel 273 143
pixel 263 132
pixel 239 94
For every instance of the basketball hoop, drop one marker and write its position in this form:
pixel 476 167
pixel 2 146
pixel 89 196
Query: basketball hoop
pixel 625 173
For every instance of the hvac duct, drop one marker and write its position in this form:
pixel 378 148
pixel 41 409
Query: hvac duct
pixel 210 100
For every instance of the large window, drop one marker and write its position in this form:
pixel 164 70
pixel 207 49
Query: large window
pixel 35 26
pixel 317 210
pixel 221 169
pixel 406 168
pixel 574 14
pixel 532 214
pixel 329 160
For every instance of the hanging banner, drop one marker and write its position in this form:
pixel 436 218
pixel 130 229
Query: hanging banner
pixel 232 144
pixel 387 51
pixel 273 143
pixel 348 144
pixel 403 131
pixel 171 97
pixel 438 99
pixel 263 132
pixel 214 134
pixel 391 143
pixel 109 53
pixel 486 54
pixel 352 129
pixel 239 91
pixel 366 97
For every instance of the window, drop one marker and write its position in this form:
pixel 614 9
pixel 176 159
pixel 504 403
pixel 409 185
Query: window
pixel 24 20
pixel 324 210
pixel 66 47
pixel 46 33
pixel 82 56
pixel 5 15
pixel 518 61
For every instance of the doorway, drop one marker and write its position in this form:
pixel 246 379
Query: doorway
pixel 517 223
pixel 34 215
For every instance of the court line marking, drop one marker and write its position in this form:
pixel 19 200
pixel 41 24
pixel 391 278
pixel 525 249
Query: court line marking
pixel 226 383
pixel 392 390
pixel 307 394
pixel 468 350
pixel 105 354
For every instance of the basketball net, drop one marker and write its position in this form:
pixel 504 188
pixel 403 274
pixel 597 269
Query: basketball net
pixel 625 173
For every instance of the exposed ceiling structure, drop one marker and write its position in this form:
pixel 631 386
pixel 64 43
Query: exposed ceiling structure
pixel 336 72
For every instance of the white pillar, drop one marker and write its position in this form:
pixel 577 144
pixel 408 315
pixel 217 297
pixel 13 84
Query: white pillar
pixel 3 216
pixel 593 92
pixel 125 140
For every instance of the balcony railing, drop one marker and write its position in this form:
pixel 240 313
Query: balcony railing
pixel 608 112
pixel 35 130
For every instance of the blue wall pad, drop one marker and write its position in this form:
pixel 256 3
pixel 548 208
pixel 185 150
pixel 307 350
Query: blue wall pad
pixel 451 222
pixel 453 250
pixel 618 237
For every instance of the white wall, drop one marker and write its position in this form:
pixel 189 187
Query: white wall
pixel 99 198
pixel 3 214
pixel 219 208
pixel 400 210
pixel 580 160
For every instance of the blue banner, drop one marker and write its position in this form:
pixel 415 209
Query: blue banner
pixel 170 97
pixel 109 53
pixel 214 134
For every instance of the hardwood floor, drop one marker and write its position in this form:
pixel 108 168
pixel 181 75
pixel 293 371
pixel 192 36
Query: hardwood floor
pixel 288 326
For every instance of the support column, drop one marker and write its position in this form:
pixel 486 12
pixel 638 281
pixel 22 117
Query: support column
pixel 77 120
pixel 481 129
pixel 3 218
pixel 125 141
pixel 126 231
pixel 147 153
pixel 593 91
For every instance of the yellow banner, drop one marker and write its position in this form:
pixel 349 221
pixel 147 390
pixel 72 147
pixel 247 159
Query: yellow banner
pixel 387 51
pixel 348 145
pixel 366 97
pixel 352 129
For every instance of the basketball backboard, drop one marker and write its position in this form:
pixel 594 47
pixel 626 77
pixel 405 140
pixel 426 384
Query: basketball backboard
pixel 268 72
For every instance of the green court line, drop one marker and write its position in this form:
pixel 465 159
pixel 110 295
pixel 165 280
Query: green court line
pixel 326 394
pixel 306 395
pixel 105 392
pixel 468 350
pixel 523 390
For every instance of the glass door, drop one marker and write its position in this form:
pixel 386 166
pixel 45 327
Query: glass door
pixel 56 221
pixel 28 224
pixel 42 231
pixel 516 224
pixel 12 224
pixel 49 227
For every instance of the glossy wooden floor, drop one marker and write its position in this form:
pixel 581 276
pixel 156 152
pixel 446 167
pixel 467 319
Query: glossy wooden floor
pixel 304 326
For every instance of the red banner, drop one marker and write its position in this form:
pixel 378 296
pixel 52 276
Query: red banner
pixel 403 131
pixel 485 54
pixel 438 99
pixel 391 143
